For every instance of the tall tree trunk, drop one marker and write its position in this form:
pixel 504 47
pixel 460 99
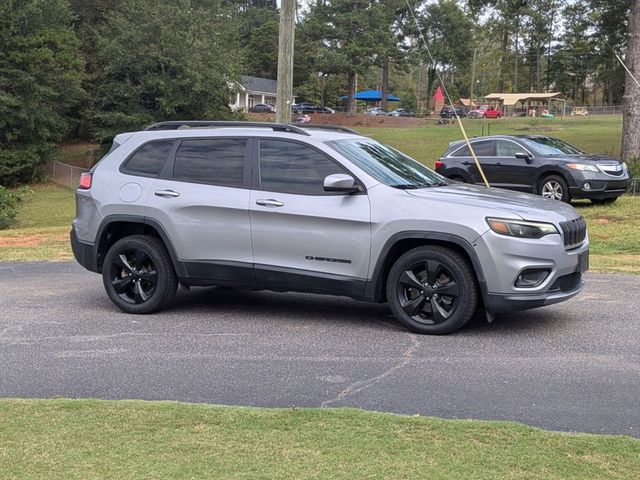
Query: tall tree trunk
pixel 385 83
pixel 503 59
pixel 631 118
pixel 351 85
pixel 611 84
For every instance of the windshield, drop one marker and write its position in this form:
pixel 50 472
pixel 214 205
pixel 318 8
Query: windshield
pixel 387 165
pixel 550 146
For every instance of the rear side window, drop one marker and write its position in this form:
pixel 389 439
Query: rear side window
pixel 482 149
pixel 294 168
pixel 148 159
pixel 219 161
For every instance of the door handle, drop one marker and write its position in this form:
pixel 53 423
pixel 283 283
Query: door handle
pixel 269 203
pixel 166 193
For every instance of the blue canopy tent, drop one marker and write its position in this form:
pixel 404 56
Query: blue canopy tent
pixel 372 96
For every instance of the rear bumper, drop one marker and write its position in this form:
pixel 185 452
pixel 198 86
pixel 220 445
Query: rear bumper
pixel 84 253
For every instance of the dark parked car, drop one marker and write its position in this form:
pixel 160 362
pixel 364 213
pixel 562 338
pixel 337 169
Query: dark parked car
pixel 448 112
pixel 302 108
pixel 537 164
pixel 262 108
pixel 402 112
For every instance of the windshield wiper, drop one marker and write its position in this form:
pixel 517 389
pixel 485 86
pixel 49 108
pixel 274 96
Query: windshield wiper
pixel 405 186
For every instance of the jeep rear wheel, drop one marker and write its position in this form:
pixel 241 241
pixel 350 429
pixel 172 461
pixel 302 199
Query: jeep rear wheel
pixel 138 275
pixel 432 289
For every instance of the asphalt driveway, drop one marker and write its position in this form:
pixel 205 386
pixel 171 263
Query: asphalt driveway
pixel 573 366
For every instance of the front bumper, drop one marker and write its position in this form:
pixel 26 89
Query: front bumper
pixel 600 186
pixel 510 257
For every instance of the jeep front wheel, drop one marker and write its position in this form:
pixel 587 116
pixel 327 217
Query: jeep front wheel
pixel 432 289
pixel 138 275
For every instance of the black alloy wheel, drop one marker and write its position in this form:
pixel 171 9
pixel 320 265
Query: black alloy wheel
pixel 432 289
pixel 138 275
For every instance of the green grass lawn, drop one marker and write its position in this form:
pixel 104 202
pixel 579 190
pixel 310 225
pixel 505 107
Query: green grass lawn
pixel 42 228
pixel 85 439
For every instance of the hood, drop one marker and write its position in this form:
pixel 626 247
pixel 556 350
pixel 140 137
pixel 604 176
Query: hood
pixel 588 158
pixel 499 202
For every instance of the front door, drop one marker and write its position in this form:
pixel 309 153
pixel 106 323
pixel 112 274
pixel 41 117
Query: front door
pixel 513 173
pixel 303 237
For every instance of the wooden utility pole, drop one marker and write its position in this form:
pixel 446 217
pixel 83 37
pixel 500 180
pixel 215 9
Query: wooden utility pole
pixel 473 76
pixel 285 62
pixel 631 114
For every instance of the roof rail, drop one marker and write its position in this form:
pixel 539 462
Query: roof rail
pixel 180 124
pixel 335 128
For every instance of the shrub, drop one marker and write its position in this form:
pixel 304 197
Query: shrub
pixel 9 203
pixel 22 164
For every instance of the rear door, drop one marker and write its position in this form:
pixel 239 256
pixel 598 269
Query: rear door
pixel 304 237
pixel 484 150
pixel 202 203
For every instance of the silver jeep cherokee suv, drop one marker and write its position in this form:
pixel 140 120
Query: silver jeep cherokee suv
pixel 316 209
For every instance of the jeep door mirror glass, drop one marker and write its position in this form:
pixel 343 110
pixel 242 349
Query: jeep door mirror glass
pixel 340 182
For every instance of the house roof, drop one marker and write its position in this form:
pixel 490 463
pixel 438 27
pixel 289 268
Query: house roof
pixel 257 84
pixel 513 98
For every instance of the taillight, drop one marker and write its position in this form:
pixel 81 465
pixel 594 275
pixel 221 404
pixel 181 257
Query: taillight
pixel 439 164
pixel 85 181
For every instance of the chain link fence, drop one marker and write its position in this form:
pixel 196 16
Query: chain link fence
pixel 62 174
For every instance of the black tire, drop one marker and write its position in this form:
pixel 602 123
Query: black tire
pixel 138 275
pixel 432 290
pixel 603 201
pixel 554 187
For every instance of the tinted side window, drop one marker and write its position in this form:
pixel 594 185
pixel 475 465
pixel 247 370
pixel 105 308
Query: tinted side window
pixel 293 168
pixel 148 159
pixel 507 149
pixel 483 148
pixel 219 161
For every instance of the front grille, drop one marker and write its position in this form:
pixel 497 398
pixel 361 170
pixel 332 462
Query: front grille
pixel 613 170
pixel 574 232
pixel 566 283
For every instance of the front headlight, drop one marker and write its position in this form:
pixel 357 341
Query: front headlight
pixel 583 167
pixel 624 166
pixel 521 228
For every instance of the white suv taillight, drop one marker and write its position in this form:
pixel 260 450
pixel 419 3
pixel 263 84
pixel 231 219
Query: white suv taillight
pixel 85 181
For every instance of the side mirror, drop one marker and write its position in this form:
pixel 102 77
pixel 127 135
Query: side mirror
pixel 339 182
pixel 524 156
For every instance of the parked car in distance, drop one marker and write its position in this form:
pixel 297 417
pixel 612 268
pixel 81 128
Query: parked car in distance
pixel 263 108
pixel 401 112
pixel 475 113
pixel 375 111
pixel 303 108
pixel 450 112
pixel 537 164
pixel 316 209
pixel 485 111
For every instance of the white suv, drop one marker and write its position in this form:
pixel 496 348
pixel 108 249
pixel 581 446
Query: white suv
pixel 316 209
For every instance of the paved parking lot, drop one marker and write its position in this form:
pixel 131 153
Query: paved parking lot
pixel 573 366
